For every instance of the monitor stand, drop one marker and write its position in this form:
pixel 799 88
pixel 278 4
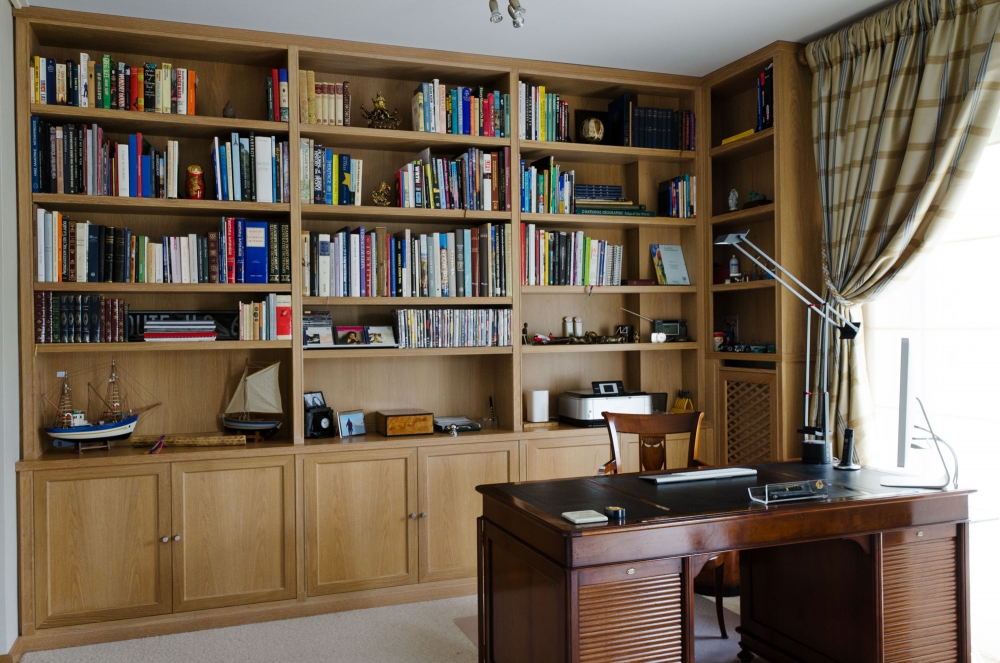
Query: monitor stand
pixel 897 481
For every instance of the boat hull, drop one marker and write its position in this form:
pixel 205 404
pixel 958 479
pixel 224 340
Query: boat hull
pixel 263 426
pixel 118 430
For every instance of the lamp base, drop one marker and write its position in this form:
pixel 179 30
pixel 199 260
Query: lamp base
pixel 816 453
pixel 851 467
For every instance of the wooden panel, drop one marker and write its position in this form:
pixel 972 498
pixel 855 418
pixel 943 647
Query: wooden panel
pixel 98 549
pixel 361 525
pixel 631 620
pixel 563 459
pixel 449 505
pixel 750 411
pixel 920 601
pixel 236 522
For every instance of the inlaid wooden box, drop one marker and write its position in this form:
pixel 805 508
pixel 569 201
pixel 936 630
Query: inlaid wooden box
pixel 404 422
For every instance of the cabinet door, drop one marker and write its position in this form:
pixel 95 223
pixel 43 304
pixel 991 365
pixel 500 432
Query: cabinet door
pixel 565 459
pixel 450 505
pixel 361 520
pixel 99 550
pixel 236 523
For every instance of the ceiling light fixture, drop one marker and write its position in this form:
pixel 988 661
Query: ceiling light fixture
pixel 516 12
pixel 495 15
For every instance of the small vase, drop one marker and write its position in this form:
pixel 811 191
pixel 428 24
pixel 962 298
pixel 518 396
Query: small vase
pixel 195 182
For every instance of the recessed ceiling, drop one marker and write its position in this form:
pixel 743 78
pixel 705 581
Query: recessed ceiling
pixel 692 37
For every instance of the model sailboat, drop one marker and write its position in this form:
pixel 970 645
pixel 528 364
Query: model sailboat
pixel 117 421
pixel 257 395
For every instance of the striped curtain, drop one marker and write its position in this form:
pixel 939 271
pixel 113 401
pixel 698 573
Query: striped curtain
pixel 903 104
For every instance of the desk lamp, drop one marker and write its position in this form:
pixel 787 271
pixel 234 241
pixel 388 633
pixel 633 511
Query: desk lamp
pixel 817 444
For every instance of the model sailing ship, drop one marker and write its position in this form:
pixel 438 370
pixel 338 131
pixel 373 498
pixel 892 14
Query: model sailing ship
pixel 117 421
pixel 257 396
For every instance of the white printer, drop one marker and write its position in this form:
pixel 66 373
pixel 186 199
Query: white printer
pixel 584 408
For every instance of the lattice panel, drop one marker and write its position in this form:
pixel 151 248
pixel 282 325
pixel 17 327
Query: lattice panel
pixel 633 621
pixel 748 422
pixel 920 599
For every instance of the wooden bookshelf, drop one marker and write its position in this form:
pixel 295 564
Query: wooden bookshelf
pixel 608 289
pixel 124 205
pixel 609 347
pixel 173 346
pixel 602 222
pixel 408 302
pixel 395 140
pixel 181 126
pixel 369 353
pixel 163 288
pixel 758 143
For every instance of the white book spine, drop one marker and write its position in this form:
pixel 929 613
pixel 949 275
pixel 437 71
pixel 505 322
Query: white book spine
pixel 468 262
pixel 434 105
pixel 355 261
pixel 54 248
pixel 306 265
pixel 453 287
pixel 237 188
pixel 40 245
pixel 175 260
pixel 229 171
pixel 84 83
pixel 324 265
pixel 158 262
pixel 123 173
pixel 263 156
pixel 529 259
pixel 357 183
pixel 216 157
pixel 81 252
pixel 185 260
pixel 434 262
pixel 193 258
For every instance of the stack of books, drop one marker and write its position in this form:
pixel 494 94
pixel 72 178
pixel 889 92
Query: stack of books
pixel 678 197
pixel 78 159
pixel 317 330
pixel 472 262
pixel 323 102
pixel 462 110
pixel 545 189
pixel 269 320
pixel 568 258
pixel 544 116
pixel 452 328
pixel 114 85
pixel 251 169
pixel 631 125
pixel 765 98
pixel 336 178
pixel 277 95
pixel 476 180
pixel 605 200
pixel 79 319
pixel 178 330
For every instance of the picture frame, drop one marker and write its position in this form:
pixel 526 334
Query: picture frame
pixel 380 336
pixel 353 335
pixel 320 336
pixel 351 423
pixel 314 399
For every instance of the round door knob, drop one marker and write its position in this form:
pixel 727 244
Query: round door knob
pixel 165 539
pixel 177 537
pixel 413 516
pixel 423 515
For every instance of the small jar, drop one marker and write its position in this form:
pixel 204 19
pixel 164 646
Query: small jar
pixel 567 326
pixel 578 327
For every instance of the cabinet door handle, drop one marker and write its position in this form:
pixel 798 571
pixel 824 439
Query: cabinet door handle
pixel 423 515
pixel 165 539
pixel 413 516
pixel 177 537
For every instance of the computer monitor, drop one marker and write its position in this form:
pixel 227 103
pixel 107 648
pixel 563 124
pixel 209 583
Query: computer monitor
pixel 903 435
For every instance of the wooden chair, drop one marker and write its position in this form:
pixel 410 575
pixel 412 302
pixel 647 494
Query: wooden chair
pixel 652 430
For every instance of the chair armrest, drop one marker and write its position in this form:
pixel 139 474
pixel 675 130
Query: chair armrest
pixel 698 463
pixel 610 467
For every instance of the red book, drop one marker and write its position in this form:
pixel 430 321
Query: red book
pixel 276 95
pixel 230 250
pixel 488 115
pixel 283 313
pixel 133 89
pixel 475 262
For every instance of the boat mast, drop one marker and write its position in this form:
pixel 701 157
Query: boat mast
pixel 113 399
pixel 64 411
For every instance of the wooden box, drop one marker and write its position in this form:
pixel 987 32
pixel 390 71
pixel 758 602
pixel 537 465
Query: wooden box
pixel 404 422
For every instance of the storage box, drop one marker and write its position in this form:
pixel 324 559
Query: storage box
pixel 404 422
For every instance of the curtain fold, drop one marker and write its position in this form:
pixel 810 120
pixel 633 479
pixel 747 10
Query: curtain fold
pixel 903 104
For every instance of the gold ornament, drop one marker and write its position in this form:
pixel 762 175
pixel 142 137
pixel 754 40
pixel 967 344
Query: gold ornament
pixel 379 117
pixel 382 195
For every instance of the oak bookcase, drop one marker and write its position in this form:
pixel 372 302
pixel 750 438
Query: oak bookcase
pixel 221 536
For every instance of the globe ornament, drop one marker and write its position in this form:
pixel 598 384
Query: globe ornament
pixel 592 130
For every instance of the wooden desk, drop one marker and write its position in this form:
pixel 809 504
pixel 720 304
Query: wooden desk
pixel 871 574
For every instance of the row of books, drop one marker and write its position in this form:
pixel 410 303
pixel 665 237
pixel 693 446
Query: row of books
pixel 605 200
pixel 472 262
pixel 323 103
pixel 475 180
pixel 78 159
pixel 254 168
pixel 545 189
pixel 631 125
pixel 115 85
pixel 277 95
pixel 568 258
pixel 336 178
pixel 678 197
pixel 172 331
pixel 461 110
pixel 765 98
pixel 452 328
pixel 239 252
pixel 79 318
pixel 544 116
pixel 269 320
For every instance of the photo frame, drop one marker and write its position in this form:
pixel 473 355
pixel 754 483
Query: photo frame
pixel 380 336
pixel 314 399
pixel 350 424
pixel 354 335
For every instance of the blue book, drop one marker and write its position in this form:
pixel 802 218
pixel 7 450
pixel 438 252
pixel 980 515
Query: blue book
pixel 390 267
pixel 238 232
pixel 345 179
pixel 319 168
pixel 147 176
pixel 328 177
pixel 224 172
pixel 133 160
pixel 255 251
pixel 50 80
pixel 237 182
pixel 466 110
pixel 427 105
pixel 35 184
pixel 93 252
pixel 468 261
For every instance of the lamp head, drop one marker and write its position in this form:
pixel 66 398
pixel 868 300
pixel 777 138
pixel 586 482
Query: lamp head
pixel 848 333
pixel 495 15
pixel 516 12
pixel 732 238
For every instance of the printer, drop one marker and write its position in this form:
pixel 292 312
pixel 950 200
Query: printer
pixel 584 408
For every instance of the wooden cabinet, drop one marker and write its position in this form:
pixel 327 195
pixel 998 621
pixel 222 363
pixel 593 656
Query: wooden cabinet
pixel 233 532
pixel 361 520
pixel 567 458
pixel 101 550
pixel 449 504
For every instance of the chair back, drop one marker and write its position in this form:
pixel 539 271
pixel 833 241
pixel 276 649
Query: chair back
pixel 651 429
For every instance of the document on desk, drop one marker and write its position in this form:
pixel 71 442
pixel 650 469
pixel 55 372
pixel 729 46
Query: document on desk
pixel 702 475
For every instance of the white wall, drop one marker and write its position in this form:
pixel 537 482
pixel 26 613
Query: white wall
pixel 9 389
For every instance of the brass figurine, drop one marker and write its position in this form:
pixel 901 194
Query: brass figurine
pixel 382 195
pixel 379 117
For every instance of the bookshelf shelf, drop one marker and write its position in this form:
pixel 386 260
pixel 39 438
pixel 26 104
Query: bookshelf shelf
pixel 595 222
pixel 407 302
pixel 610 347
pixel 602 154
pixel 752 215
pixel 158 288
pixel 746 285
pixel 608 290
pixel 180 126
pixel 372 353
pixel 744 356
pixel 172 346
pixel 180 206
pixel 416 215
pixel 395 140
pixel 760 142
